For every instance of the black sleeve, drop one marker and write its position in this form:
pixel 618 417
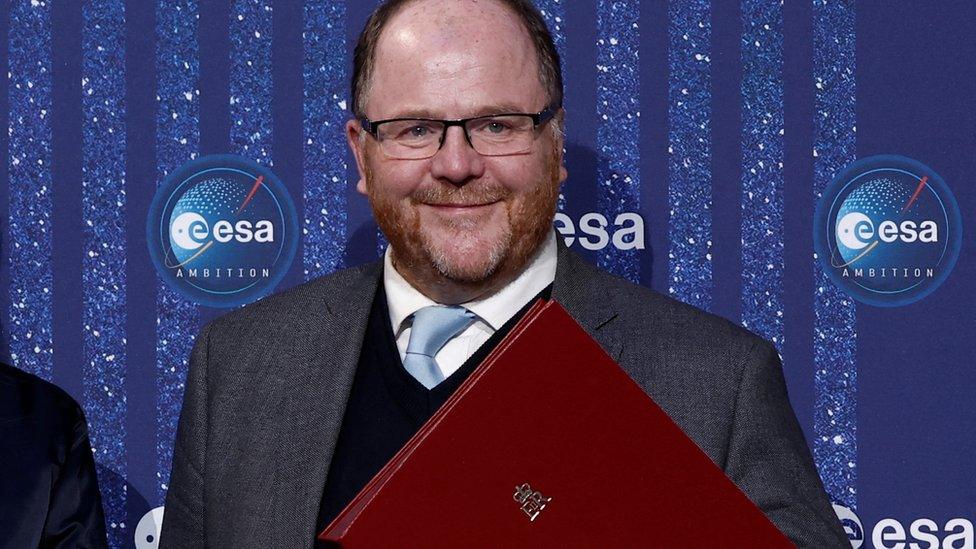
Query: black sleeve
pixel 75 517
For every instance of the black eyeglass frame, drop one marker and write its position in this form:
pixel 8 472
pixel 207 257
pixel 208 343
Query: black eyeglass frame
pixel 538 119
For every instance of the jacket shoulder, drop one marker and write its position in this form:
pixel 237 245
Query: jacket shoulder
pixel 25 395
pixel 315 297
pixel 32 409
pixel 643 308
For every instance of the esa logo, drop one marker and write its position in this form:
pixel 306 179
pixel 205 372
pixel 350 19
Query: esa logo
pixel 222 230
pixel 190 231
pixel 628 231
pixel 888 230
pixel 922 533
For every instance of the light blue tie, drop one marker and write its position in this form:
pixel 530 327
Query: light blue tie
pixel 432 328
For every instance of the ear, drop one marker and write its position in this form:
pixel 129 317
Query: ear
pixel 560 135
pixel 354 136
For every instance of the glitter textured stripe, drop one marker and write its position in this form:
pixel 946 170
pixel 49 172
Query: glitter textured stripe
pixel 689 152
pixel 618 133
pixel 177 142
pixel 29 168
pixel 762 169
pixel 103 274
pixel 835 338
pixel 324 144
pixel 250 79
pixel 554 14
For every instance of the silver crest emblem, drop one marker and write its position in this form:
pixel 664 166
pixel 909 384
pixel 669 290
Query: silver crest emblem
pixel 533 502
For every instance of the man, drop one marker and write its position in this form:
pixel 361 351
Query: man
pixel 293 403
pixel 48 490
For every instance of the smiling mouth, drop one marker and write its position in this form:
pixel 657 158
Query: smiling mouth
pixel 450 206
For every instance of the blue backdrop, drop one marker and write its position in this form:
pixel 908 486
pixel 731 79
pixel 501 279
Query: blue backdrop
pixel 707 128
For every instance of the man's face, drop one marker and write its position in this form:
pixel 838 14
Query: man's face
pixel 463 216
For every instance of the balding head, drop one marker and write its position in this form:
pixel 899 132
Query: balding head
pixel 440 17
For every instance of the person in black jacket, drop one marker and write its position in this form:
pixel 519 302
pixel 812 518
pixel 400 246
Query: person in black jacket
pixel 48 490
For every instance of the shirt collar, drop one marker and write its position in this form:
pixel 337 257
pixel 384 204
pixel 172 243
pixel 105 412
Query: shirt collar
pixel 403 300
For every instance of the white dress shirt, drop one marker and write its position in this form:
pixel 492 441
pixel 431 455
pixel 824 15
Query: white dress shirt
pixel 493 312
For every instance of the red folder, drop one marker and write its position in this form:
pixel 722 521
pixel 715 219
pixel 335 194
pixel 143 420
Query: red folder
pixel 550 444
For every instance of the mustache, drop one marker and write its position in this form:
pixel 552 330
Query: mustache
pixel 445 195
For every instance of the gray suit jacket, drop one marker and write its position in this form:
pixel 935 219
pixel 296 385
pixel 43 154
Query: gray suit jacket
pixel 268 385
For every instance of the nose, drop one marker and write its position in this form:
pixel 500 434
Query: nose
pixel 457 162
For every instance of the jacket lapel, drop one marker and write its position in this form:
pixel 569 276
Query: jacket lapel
pixel 315 391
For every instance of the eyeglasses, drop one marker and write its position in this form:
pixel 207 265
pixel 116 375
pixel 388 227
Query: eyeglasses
pixel 493 135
